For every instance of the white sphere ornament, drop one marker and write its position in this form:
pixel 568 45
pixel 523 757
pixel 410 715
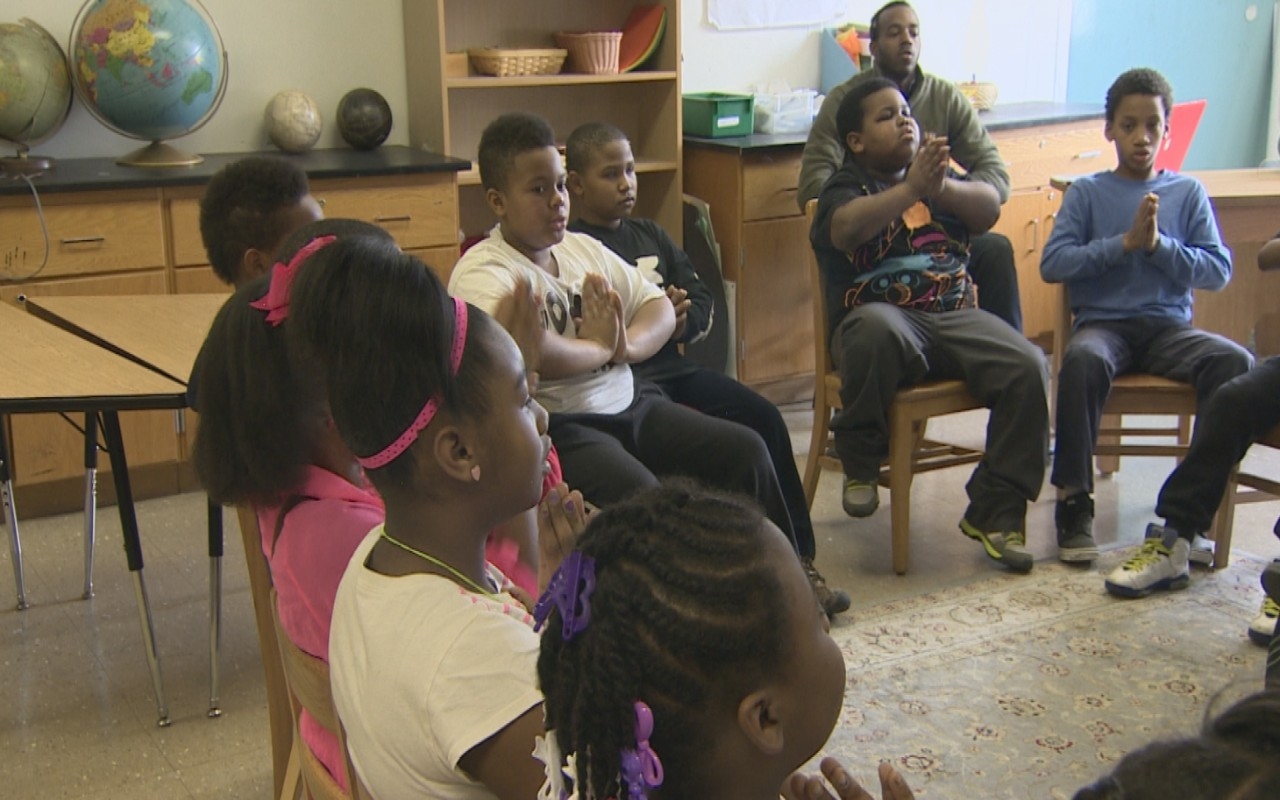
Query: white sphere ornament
pixel 293 121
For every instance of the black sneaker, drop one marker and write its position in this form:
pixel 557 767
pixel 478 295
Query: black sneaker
pixel 1073 518
pixel 833 601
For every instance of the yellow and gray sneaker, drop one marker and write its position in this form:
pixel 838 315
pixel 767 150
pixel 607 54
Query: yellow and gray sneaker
pixel 1263 626
pixel 1006 547
pixel 860 498
pixel 1201 551
pixel 1160 563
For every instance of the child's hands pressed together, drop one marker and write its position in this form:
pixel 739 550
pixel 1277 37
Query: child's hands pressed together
pixel 620 354
pixel 599 321
pixel 810 787
pixel 927 174
pixel 1145 233
pixel 681 304
pixel 562 516
pixel 521 314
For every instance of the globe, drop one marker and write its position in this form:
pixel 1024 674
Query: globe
pixel 35 90
pixel 149 69
pixel 293 121
pixel 364 119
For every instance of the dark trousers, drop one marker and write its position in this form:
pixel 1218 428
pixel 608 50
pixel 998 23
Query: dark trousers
pixel 879 349
pixel 1234 416
pixel 992 268
pixel 1099 351
pixel 609 456
pixel 720 396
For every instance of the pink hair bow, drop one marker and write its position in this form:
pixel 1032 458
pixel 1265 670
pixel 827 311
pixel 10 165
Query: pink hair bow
pixel 276 301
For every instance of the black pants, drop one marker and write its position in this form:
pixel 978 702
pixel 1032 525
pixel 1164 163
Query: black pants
pixel 1235 415
pixel 609 456
pixel 992 267
pixel 723 397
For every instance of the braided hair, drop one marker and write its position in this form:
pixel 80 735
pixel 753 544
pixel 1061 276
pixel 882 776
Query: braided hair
pixel 686 615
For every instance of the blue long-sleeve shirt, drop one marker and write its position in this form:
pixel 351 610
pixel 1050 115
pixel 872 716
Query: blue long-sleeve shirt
pixel 1086 252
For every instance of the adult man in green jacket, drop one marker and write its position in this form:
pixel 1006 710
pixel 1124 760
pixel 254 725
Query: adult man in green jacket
pixel 940 109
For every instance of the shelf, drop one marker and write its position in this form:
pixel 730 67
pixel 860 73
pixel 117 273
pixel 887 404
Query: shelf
pixel 471 177
pixel 571 79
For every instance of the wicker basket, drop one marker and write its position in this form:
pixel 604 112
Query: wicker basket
pixel 593 53
pixel 981 95
pixel 503 63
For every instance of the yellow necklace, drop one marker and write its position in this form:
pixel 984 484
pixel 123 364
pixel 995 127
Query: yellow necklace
pixel 433 560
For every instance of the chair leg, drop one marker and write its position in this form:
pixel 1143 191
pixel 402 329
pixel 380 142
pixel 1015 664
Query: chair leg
pixel 1108 464
pixel 1223 522
pixel 1184 436
pixel 817 444
pixel 902 442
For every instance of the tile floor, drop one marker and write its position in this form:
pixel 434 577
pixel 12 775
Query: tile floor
pixel 77 716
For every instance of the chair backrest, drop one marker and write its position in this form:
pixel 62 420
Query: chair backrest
pixel 278 713
pixel 308 680
pixel 1184 119
pixel 715 350
pixel 821 356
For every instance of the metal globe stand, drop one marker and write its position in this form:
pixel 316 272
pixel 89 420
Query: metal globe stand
pixel 159 154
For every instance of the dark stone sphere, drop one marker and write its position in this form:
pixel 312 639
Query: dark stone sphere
pixel 364 119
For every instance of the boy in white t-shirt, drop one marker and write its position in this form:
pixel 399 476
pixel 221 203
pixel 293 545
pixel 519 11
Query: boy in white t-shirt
pixel 614 434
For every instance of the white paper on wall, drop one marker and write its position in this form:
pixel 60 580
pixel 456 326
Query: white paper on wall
pixel 1273 114
pixel 743 14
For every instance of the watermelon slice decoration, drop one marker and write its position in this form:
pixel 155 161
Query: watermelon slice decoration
pixel 641 36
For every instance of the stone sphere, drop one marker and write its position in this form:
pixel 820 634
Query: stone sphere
pixel 293 121
pixel 364 118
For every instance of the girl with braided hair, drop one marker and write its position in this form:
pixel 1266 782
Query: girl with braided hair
pixel 684 654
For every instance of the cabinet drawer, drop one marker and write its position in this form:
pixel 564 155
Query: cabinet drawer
pixel 108 232
pixel 188 247
pixel 769 184
pixel 419 211
pixel 1033 155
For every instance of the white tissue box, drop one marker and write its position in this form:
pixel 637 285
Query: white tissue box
pixel 785 112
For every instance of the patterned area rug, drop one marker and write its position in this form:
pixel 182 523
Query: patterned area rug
pixel 1032 687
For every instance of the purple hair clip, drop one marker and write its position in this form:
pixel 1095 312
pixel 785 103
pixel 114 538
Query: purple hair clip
pixel 641 767
pixel 570 591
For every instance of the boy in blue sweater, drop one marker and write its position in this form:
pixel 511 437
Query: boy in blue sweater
pixel 1131 245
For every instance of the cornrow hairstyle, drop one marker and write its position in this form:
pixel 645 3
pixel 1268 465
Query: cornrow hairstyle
pixel 685 616
pixel 245 207
pixel 849 115
pixel 507 137
pixel 260 400
pixel 1139 81
pixel 586 140
pixel 381 325
pixel 874 28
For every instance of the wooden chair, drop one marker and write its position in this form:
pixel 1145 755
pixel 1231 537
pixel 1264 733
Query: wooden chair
pixel 278 711
pixel 1267 343
pixel 909 452
pixel 307 678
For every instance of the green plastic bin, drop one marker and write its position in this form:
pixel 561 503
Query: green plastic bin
pixel 718 114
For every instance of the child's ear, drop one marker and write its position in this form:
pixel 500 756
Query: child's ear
pixel 454 453
pixel 1107 132
pixel 758 718
pixel 574 182
pixel 853 141
pixel 254 263
pixel 497 202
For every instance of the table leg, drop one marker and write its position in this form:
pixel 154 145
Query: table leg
pixel 133 554
pixel 215 604
pixel 11 513
pixel 90 497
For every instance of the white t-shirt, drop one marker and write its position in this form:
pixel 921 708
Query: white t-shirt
pixel 487 273
pixel 423 671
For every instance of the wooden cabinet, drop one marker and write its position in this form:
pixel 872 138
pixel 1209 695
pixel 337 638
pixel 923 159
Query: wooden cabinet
pixel 108 240
pixel 450 105
pixel 752 197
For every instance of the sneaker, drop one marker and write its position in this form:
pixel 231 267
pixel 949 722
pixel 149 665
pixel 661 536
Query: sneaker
pixel 833 601
pixel 1161 563
pixel 1264 625
pixel 1007 547
pixel 860 499
pixel 1201 551
pixel 1073 518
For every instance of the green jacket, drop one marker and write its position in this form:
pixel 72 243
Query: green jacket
pixel 937 105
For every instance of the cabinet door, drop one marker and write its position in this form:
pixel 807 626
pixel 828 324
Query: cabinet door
pixel 45 446
pixel 1027 219
pixel 775 302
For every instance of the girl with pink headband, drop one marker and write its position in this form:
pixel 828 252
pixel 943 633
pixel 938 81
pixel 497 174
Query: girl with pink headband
pixel 432 657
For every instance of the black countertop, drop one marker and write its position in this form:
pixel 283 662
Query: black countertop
pixel 79 174
pixel 1009 116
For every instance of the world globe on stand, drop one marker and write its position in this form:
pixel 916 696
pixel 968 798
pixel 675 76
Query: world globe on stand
pixel 364 119
pixel 35 92
pixel 293 121
pixel 149 69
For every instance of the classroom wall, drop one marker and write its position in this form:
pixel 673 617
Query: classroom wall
pixel 1210 50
